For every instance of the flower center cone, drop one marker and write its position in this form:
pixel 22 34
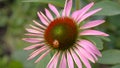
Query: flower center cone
pixel 61 33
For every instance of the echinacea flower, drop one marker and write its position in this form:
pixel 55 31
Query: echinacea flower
pixel 63 34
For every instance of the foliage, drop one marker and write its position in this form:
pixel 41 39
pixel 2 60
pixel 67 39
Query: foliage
pixel 15 15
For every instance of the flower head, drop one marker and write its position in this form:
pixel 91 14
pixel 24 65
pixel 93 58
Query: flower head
pixel 64 35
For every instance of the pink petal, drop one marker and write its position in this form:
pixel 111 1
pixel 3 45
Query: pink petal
pixel 36 28
pixel 34 31
pixel 84 60
pixel 67 8
pixel 96 51
pixel 77 14
pixel 56 60
pixel 88 49
pixel 48 14
pixel 76 59
pixel 32 40
pixel 42 56
pixel 93 32
pixel 53 9
pixel 41 26
pixel 42 47
pixel 43 20
pixel 88 14
pixel 38 35
pixel 90 45
pixel 63 61
pixel 92 53
pixel 45 17
pixel 37 52
pixel 86 54
pixel 51 62
pixel 70 60
pixel 33 46
pixel 92 24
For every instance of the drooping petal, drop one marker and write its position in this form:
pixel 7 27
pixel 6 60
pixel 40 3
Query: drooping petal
pixel 51 62
pixel 33 46
pixel 48 21
pixel 76 59
pixel 42 56
pixel 77 14
pixel 86 54
pixel 92 24
pixel 70 60
pixel 37 52
pixel 33 40
pixel 88 49
pixel 67 8
pixel 92 53
pixel 90 46
pixel 41 26
pixel 54 10
pixel 63 61
pixel 43 20
pixel 37 35
pixel 88 14
pixel 42 47
pixel 33 31
pixel 84 60
pixel 36 28
pixel 93 32
pixel 56 60
pixel 48 14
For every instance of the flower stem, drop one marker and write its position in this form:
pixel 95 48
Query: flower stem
pixel 77 4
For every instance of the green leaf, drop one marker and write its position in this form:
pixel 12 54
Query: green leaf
pixel 116 66
pixel 110 57
pixel 109 8
pixel 15 64
pixel 105 38
pixel 43 63
pixel 97 41
pixel 114 20
pixel 59 3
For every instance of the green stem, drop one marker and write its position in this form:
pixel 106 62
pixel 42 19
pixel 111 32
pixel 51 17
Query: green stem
pixel 77 4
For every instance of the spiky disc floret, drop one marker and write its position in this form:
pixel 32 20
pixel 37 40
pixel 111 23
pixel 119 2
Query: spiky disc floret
pixel 61 33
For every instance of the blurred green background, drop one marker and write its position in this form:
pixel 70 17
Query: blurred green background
pixel 16 15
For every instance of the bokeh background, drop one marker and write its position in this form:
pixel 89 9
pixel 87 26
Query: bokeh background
pixel 16 15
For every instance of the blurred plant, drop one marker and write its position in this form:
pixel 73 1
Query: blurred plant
pixel 16 14
pixel 66 35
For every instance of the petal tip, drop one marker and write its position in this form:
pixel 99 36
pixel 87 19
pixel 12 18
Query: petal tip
pixel 49 4
pixel 100 55
pixel 25 49
pixel 29 58
pixel 99 9
pixel 24 39
pixel 92 3
pixel 33 20
pixel 102 21
pixel 106 34
pixel 36 62
pixel 45 9
pixel 38 13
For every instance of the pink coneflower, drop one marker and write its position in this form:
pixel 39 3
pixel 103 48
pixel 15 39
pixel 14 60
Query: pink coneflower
pixel 63 34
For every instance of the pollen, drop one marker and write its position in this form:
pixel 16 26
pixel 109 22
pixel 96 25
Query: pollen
pixel 56 43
